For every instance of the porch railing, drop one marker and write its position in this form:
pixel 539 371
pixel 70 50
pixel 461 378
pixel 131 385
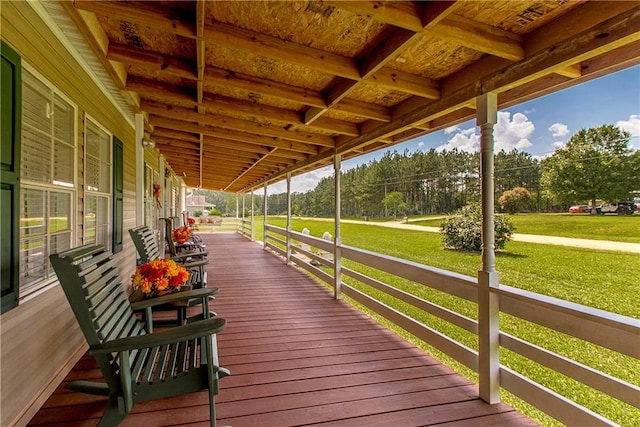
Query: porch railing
pixel 611 331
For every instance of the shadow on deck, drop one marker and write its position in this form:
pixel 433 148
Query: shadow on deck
pixel 298 357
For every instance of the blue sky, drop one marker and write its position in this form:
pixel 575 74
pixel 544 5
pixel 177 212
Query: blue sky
pixel 535 127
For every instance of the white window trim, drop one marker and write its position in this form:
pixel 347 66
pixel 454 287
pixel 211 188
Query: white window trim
pixel 33 291
pixel 85 191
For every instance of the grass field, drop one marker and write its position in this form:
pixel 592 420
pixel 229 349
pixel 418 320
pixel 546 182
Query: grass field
pixel 605 280
pixel 624 228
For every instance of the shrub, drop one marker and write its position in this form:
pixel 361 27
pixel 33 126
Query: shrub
pixel 515 200
pixel 215 212
pixel 197 213
pixel 463 230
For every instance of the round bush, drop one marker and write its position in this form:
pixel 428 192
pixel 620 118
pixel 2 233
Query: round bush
pixel 463 230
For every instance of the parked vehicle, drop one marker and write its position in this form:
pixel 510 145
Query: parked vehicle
pixel 620 208
pixel 579 209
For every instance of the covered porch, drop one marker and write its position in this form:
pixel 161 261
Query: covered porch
pixel 298 357
pixel 156 96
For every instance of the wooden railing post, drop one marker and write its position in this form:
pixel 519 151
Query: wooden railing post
pixel 337 241
pixel 488 309
pixel 264 220
pixel 252 227
pixel 288 218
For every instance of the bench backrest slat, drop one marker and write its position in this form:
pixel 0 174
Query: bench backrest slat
pixel 91 281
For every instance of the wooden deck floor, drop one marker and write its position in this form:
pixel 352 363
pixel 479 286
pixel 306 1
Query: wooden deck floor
pixel 298 357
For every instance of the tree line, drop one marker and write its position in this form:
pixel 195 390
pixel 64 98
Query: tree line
pixel 595 164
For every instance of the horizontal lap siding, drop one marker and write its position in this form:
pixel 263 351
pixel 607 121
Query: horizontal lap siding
pixel 40 338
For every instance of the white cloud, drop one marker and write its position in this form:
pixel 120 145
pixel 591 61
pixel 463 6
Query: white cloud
pixel 508 134
pixel 301 183
pixel 559 144
pixel 451 129
pixel 464 140
pixel 420 144
pixel 559 129
pixel 632 125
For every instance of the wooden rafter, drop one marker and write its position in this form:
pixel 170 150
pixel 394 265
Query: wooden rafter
pixel 180 63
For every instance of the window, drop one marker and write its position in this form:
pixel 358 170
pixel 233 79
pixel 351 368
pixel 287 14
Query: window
pixel 97 184
pixel 11 107
pixel 47 170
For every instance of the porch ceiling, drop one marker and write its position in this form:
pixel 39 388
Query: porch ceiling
pixel 239 93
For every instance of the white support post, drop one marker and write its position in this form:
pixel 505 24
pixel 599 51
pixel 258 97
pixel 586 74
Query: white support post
pixel 337 241
pixel 288 259
pixel 183 198
pixel 264 220
pixel 243 209
pixel 162 213
pixel 252 234
pixel 488 309
pixel 237 208
pixel 139 121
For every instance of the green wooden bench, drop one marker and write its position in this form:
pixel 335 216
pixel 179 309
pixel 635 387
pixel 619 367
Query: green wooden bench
pixel 137 366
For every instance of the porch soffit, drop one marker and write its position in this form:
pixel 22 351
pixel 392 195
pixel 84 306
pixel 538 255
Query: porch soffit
pixel 237 94
pixel 65 29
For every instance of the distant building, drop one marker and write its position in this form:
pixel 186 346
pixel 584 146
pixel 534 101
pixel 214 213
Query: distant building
pixel 197 203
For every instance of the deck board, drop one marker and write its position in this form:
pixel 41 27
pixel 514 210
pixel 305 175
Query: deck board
pixel 297 357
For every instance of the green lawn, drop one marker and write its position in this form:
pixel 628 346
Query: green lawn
pixel 624 228
pixel 605 280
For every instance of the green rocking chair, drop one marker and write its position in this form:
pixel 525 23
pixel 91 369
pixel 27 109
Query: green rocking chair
pixel 137 365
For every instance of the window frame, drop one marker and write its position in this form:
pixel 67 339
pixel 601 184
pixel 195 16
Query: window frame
pixel 50 280
pixel 107 194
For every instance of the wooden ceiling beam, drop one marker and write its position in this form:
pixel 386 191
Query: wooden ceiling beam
pixel 189 146
pixel 400 14
pixel 236 124
pixel 176 134
pixel 319 60
pixel 438 20
pixel 293 93
pixel 246 173
pixel 479 37
pixel 591 42
pixel 240 146
pixel 412 84
pixel 152 61
pixel 184 69
pixel 142 12
pixel 272 47
pixel 245 137
pixel 372 69
pixel 176 96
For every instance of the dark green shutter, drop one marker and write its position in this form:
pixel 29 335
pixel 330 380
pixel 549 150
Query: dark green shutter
pixel 118 171
pixel 10 116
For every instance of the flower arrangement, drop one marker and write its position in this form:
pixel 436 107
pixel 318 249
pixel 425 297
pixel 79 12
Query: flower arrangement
pixel 181 234
pixel 191 221
pixel 159 277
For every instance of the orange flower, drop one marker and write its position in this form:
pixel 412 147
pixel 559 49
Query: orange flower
pixel 181 233
pixel 191 221
pixel 159 277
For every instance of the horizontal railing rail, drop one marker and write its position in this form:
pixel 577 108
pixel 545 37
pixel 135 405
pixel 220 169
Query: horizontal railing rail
pixel 607 330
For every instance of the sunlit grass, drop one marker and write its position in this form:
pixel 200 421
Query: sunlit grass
pixel 623 228
pixel 600 279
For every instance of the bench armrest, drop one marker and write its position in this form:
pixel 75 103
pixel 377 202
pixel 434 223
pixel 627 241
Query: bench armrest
pixel 191 331
pixel 174 297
